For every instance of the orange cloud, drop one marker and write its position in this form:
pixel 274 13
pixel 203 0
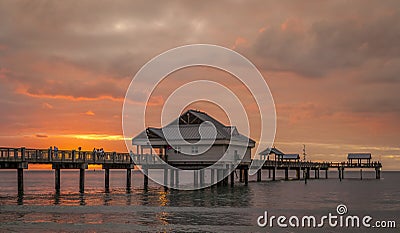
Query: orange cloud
pixel 47 106
pixel 292 25
pixel 239 41
pixel 156 101
pixel 261 30
pixel 23 91
pixel 90 113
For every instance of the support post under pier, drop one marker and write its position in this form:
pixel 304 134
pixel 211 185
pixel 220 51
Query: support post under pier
pixel 82 180
pixel 20 175
pixel 202 178
pixel 273 173
pixel 145 178
pixel 165 177
pixel 259 175
pixel 172 177
pixel 107 179
pixel 128 178
pixel 57 179
pixel 232 178
pixel 246 176
pixel 286 173
pixel 195 178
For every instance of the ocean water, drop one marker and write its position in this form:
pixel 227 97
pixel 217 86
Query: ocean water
pixel 217 209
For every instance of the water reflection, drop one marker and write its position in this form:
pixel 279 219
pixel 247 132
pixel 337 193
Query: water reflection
pixel 156 210
pixel 82 200
pixel 20 199
pixel 57 197
pixel 163 198
pixel 163 217
pixel 107 198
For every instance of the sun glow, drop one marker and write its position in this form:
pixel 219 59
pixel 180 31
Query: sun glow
pixel 96 137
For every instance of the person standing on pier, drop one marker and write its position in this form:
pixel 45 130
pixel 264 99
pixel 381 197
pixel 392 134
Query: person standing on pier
pixel 55 151
pixel 79 152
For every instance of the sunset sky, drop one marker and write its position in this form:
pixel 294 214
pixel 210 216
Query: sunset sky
pixel 332 67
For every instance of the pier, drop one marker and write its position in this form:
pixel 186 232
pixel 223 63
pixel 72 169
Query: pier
pixel 20 158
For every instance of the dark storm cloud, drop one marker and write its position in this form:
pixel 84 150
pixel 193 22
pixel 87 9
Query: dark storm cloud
pixel 317 47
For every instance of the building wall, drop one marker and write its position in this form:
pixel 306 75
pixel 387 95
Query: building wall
pixel 214 153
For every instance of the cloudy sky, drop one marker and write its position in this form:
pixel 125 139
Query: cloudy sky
pixel 332 67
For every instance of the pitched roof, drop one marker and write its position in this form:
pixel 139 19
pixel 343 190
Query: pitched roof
pixel 359 156
pixel 191 125
pixel 271 151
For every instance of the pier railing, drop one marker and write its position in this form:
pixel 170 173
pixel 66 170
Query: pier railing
pixel 371 164
pixel 49 156
pixel 95 157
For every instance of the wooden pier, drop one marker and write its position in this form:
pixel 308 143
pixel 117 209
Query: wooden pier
pixel 19 158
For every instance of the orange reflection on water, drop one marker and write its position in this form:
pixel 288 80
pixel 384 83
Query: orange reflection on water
pixel 163 198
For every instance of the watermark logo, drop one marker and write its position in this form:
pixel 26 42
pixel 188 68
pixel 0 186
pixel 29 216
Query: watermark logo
pixel 197 144
pixel 341 209
pixel 333 220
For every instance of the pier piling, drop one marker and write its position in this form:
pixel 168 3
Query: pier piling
pixel 377 173
pixel 82 180
pixel 232 178
pixel 342 173
pixel 195 178
pixel 259 175
pixel 20 175
pixel 172 177
pixel 57 179
pixel 273 173
pixel 202 178
pixel 177 178
pixel 219 177
pixel 128 178
pixel 287 173
pixel 240 175
pixel 212 171
pixel 107 179
pixel 145 178
pixel 165 177
pixel 246 176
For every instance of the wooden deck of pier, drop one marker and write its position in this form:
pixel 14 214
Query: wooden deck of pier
pixel 19 158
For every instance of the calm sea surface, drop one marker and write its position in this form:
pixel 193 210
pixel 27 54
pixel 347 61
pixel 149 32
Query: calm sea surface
pixel 217 209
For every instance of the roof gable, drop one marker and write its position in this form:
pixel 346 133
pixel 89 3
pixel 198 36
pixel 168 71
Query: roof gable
pixel 190 127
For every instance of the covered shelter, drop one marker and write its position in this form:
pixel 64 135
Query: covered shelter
pixel 264 155
pixel 186 139
pixel 359 157
pixel 289 157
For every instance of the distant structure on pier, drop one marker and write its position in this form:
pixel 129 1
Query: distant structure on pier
pixel 278 155
pixel 359 157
